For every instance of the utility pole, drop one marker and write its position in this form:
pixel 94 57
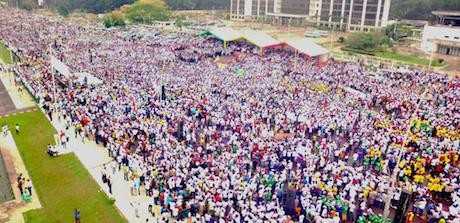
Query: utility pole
pixel 331 32
pixel 431 58
pixel 11 53
pixel 394 30
pixel 53 73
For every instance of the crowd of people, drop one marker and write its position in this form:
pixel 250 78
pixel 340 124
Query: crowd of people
pixel 272 138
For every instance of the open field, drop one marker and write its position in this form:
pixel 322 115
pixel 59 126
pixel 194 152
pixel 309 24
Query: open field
pixel 62 183
pixel 409 58
pixel 5 54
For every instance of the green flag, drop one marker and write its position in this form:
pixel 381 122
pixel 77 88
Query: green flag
pixel 240 72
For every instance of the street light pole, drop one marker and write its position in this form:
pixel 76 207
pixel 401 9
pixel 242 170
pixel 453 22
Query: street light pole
pixel 11 55
pixel 394 30
pixel 332 31
pixel 53 79
pixel 331 35
pixel 431 59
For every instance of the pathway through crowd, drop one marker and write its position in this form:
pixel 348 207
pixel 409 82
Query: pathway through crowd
pixel 94 157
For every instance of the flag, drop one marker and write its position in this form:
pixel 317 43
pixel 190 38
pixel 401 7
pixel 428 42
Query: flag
pixel 240 72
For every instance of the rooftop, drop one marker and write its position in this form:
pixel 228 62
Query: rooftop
pixel 446 26
pixel 287 15
pixel 446 13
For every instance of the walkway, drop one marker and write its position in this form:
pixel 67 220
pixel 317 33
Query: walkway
pixel 91 155
pixel 12 99
pixel 94 157
pixel 6 104
pixel 13 210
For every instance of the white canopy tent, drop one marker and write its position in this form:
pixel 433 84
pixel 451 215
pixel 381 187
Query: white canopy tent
pixel 60 67
pixel 82 77
pixel 307 47
pixel 87 78
pixel 225 33
pixel 260 38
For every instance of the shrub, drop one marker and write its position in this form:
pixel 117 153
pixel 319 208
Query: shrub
pixel 148 11
pixel 341 39
pixel 63 10
pixel 367 42
pixel 114 19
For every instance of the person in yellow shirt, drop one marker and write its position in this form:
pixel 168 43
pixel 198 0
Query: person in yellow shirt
pixel 435 185
pixel 419 179
pixel 421 171
pixel 407 171
pixel 402 163
pixel 321 185
pixel 366 192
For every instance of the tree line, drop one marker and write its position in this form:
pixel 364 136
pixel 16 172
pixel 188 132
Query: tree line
pixel 198 4
pixel 102 6
pixel 400 9
pixel 420 9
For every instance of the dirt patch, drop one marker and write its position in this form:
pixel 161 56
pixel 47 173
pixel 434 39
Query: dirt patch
pixel 6 191
pixel 7 208
pixel 453 63
pixel 6 104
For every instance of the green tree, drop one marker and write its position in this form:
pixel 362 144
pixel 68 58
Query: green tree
pixel 26 4
pixel 92 6
pixel 148 11
pixel 181 4
pixel 367 42
pixel 63 10
pixel 100 6
pixel 198 4
pixel 398 31
pixel 420 9
pixel 212 4
pixel 180 21
pixel 114 19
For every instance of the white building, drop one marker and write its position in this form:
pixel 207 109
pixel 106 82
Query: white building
pixel 362 15
pixel 444 37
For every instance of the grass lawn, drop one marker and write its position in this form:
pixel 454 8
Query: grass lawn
pixel 62 183
pixel 5 54
pixel 395 56
pixel 409 58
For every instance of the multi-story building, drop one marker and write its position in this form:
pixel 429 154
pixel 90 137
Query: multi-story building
pixel 354 14
pixel 444 36
pixel 276 10
pixel 295 7
pixel 341 14
pixel 249 9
